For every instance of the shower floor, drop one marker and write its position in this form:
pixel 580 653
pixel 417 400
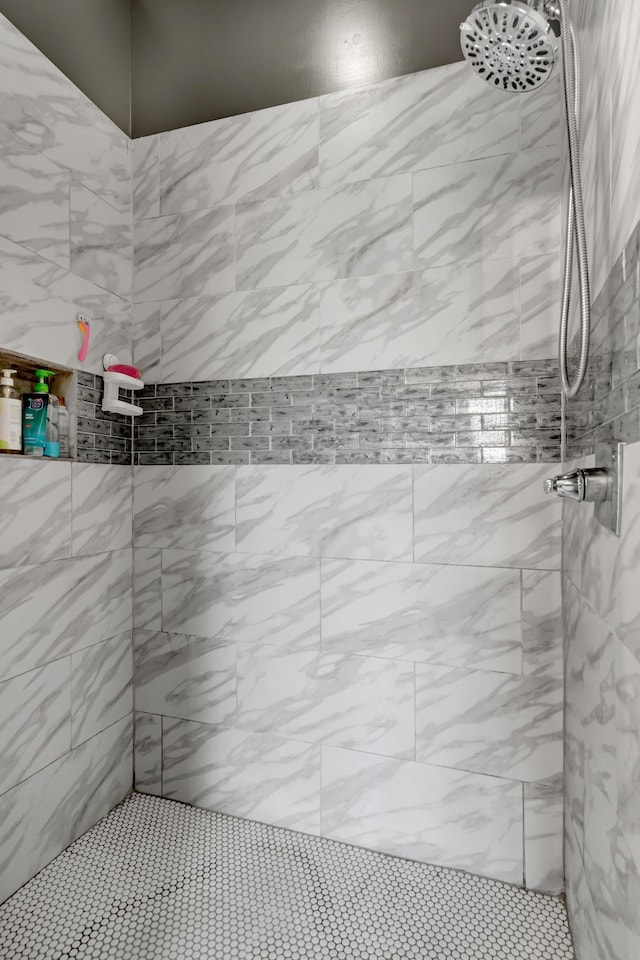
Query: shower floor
pixel 157 880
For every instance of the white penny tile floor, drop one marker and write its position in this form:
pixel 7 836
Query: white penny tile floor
pixel 157 880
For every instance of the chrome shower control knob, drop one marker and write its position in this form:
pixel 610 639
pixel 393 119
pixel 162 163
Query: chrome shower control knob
pixel 550 486
pixel 592 485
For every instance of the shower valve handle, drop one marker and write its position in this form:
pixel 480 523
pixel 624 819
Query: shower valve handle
pixel 592 485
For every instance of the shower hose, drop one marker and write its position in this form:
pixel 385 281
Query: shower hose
pixel 575 213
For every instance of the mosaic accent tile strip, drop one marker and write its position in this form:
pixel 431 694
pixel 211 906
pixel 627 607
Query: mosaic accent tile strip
pixel 608 406
pixel 101 437
pixel 477 413
pixel 158 879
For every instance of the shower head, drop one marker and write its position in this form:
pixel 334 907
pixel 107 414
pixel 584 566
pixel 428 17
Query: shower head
pixel 510 43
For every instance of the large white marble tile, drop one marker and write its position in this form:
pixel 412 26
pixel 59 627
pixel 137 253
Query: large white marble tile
pixel 102 505
pixel 488 515
pixel 266 153
pixel 186 507
pixel 542 623
pixel 542 115
pixel 361 229
pixel 262 333
pixel 426 813
pixel 613 875
pixel 624 27
pixel 423 120
pixel 540 292
pixel 583 919
pixel 190 255
pixel 100 238
pixel 145 176
pixel 147 749
pixel 451 315
pixel 43 106
pixel 101 686
pixel 489 723
pixel 251 775
pixel 543 818
pixel 609 565
pixel 41 816
pixel 40 301
pixel 458 616
pixel 147 589
pixel 242 598
pixel 192 678
pixel 35 523
pixel 147 339
pixel 627 711
pixel 488 209
pixel 54 609
pixel 358 512
pixel 35 721
pixel 34 203
pixel 357 702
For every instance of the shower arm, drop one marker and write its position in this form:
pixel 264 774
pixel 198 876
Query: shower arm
pixel 576 231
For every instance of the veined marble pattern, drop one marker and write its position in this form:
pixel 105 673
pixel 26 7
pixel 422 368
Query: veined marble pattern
pixel 256 334
pixel 102 504
pixel 424 120
pixel 357 702
pixel 193 678
pixel 488 209
pixel 147 588
pixel 184 507
pixel 489 722
pixel 189 255
pixel 543 811
pixel 101 686
pixel 61 802
pixel 540 285
pixel 460 616
pixel 542 623
pixel 35 524
pixel 147 338
pixel 359 512
pixel 360 229
pixel 34 204
pixel 53 609
pixel 242 598
pixel 35 721
pixel 256 155
pixel 38 102
pixel 445 817
pixel 38 304
pixel 253 775
pixel 542 115
pixel 486 515
pixel 100 241
pixel 627 669
pixel 580 906
pixel 624 32
pixel 145 178
pixel 147 747
pixel 451 315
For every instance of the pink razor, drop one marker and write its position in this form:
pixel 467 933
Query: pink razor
pixel 85 329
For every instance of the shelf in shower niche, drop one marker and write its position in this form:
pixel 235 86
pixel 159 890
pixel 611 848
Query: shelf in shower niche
pixel 113 383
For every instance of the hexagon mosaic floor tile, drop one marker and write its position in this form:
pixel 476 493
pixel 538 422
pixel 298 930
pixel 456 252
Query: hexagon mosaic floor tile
pixel 157 880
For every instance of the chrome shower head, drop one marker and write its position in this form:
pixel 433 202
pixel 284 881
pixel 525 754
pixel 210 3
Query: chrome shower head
pixel 510 43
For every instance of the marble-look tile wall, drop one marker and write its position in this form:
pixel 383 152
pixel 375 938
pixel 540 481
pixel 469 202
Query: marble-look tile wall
pixel 411 223
pixel 66 692
pixel 367 652
pixel 601 611
pixel 370 651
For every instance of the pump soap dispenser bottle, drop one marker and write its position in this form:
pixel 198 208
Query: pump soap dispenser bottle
pixel 10 415
pixel 34 412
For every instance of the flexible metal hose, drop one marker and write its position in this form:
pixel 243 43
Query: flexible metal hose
pixel 575 213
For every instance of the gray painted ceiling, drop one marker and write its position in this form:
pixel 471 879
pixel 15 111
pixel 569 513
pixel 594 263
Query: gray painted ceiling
pixel 197 60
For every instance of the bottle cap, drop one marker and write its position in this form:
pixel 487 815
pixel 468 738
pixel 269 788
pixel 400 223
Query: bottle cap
pixel 7 380
pixel 41 376
pixel 52 448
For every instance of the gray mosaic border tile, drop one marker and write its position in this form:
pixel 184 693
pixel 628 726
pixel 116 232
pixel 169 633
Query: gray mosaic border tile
pixel 608 406
pixel 476 413
pixel 101 437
